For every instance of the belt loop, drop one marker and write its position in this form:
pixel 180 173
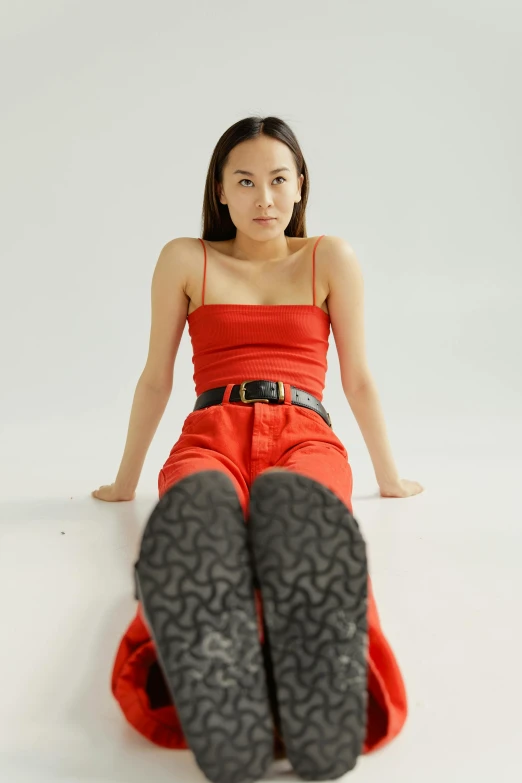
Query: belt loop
pixel 288 394
pixel 227 392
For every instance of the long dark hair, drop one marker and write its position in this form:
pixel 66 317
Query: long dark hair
pixel 216 221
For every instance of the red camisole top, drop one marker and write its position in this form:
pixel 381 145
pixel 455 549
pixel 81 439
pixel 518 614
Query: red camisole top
pixel 232 343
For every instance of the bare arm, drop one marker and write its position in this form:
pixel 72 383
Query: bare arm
pixel 169 305
pixel 147 410
pixel 367 410
pixel 346 308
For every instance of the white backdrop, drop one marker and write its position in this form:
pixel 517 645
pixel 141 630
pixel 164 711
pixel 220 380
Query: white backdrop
pixel 409 117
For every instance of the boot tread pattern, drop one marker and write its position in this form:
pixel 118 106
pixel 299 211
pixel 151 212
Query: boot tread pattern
pixel 310 558
pixel 195 581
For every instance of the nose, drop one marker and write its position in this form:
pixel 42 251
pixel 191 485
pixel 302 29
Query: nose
pixel 264 205
pixel 265 199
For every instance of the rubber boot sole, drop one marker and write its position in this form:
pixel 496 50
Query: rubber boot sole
pixel 310 559
pixel 194 579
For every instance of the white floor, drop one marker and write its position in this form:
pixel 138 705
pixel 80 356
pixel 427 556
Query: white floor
pixel 447 577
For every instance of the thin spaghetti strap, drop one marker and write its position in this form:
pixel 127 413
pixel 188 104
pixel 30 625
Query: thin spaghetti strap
pixel 313 265
pixel 204 272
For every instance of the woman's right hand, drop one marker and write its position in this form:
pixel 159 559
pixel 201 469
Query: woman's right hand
pixel 112 494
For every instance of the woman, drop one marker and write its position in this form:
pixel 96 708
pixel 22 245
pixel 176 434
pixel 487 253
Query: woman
pixel 256 632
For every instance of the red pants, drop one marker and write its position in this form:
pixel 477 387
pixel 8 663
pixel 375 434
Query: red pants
pixel 242 440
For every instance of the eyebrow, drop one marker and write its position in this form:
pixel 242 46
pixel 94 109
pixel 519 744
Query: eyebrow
pixel 250 173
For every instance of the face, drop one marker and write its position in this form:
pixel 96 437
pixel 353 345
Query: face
pixel 252 188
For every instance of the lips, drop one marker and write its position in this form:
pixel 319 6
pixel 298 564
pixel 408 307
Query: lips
pixel 267 218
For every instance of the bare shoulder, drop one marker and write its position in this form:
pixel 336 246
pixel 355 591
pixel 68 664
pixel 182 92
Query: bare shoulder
pixel 335 247
pixel 346 308
pixel 181 249
pixel 340 261
pixel 179 256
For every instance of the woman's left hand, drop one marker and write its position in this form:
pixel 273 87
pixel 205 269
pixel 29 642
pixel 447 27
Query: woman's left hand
pixel 401 489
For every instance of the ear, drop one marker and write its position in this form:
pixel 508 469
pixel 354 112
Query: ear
pixel 219 193
pixel 300 181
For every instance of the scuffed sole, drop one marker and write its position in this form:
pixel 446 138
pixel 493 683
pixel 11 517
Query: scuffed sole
pixel 195 582
pixel 310 559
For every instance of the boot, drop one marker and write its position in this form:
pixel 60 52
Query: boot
pixel 194 579
pixel 310 559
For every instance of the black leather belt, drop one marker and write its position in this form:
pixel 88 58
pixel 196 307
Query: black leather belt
pixel 262 391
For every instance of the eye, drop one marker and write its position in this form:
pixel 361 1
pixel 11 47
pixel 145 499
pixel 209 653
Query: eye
pixel 249 180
